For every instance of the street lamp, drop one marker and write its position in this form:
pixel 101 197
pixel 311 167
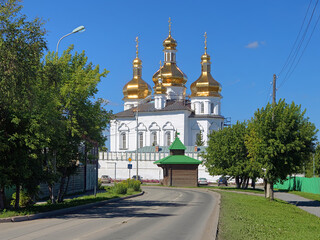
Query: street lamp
pixel 137 123
pixel 78 29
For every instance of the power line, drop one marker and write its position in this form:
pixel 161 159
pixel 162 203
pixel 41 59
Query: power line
pixel 287 61
pixel 297 50
pixel 304 49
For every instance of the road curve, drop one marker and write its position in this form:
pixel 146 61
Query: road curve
pixel 161 213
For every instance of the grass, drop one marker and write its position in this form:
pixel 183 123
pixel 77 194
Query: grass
pixel 251 190
pixel 252 217
pixel 66 204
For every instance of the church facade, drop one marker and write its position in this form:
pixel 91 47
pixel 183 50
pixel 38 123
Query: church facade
pixel 151 119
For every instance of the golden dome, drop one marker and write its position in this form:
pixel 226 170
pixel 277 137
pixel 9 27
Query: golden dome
pixel 137 88
pixel 205 85
pixel 169 43
pixel 170 73
pixel 159 88
pixel 137 62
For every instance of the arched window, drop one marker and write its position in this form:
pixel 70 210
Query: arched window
pixel 123 141
pixel 202 107
pixel 140 140
pixel 168 138
pixel 154 139
pixel 212 108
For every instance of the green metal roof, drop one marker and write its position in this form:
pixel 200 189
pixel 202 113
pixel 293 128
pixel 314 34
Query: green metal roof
pixel 177 145
pixel 178 159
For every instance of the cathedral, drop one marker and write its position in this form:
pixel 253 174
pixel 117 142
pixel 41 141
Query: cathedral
pixel 151 119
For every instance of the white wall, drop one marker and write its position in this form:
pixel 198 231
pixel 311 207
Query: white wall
pixel 116 166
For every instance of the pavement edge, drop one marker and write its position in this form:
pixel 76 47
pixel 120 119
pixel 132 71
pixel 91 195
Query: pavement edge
pixel 64 210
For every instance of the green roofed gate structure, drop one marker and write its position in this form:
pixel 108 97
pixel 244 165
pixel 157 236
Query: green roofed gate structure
pixel 179 170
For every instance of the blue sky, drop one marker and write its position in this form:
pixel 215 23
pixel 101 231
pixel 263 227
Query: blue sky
pixel 248 42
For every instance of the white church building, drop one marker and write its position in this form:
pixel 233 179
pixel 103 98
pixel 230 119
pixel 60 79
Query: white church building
pixel 149 122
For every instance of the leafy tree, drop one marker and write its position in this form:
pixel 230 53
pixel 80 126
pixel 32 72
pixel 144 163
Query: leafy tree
pixel 227 154
pixel 21 45
pixel 78 120
pixel 199 139
pixel 280 138
pixel 312 165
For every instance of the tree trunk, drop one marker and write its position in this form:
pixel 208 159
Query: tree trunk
pixel 61 188
pixel 240 182
pixel 51 192
pixel 270 193
pixel 66 188
pixel 2 198
pixel 265 187
pixel 16 205
pixel 246 183
pixel 237 182
pixel 253 183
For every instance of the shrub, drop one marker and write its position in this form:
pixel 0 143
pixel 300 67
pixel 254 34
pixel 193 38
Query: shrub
pixel 24 200
pixel 100 184
pixel 120 188
pixel 134 184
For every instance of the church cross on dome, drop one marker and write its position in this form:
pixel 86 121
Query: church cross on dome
pixel 169 26
pixel 205 42
pixel 137 46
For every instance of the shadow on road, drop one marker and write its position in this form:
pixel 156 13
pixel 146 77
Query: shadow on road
pixel 305 203
pixel 124 209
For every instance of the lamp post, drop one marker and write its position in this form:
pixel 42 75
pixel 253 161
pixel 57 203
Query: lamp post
pixel 78 29
pixel 137 123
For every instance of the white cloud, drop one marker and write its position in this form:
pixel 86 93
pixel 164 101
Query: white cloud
pixel 254 44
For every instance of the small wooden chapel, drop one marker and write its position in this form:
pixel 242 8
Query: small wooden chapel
pixel 179 170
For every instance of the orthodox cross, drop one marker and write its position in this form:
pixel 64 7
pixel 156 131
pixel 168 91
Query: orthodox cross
pixel 137 46
pixel 205 42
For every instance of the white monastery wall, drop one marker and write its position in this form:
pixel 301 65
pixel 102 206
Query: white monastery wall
pixel 116 165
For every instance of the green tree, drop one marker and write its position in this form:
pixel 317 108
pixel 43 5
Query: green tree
pixel 79 119
pixel 21 45
pixel 312 165
pixel 227 154
pixel 199 139
pixel 280 138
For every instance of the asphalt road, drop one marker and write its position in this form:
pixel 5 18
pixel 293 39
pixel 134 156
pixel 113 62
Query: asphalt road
pixel 161 213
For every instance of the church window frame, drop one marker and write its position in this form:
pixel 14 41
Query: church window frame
pixel 201 107
pixel 154 138
pixel 167 138
pixel 212 108
pixel 141 139
pixel 123 141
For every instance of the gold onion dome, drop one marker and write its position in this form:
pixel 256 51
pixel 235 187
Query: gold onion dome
pixel 169 43
pixel 205 85
pixel 137 88
pixel 159 88
pixel 171 74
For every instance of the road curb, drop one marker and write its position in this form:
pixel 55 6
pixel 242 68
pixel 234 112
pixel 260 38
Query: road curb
pixel 64 210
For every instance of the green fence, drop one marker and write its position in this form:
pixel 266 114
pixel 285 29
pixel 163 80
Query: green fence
pixel 302 184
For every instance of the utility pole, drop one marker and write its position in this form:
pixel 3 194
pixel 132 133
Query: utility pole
pixel 269 186
pixel 274 89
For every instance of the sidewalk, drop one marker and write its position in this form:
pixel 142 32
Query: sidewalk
pixel 305 204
